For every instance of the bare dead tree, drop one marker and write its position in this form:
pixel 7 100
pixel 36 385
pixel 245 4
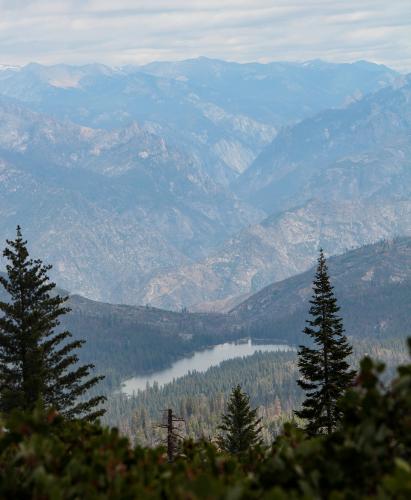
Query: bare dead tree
pixel 173 435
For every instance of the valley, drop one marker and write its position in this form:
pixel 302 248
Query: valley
pixel 342 172
pixel 201 397
pixel 373 284
pixel 184 214
pixel 205 250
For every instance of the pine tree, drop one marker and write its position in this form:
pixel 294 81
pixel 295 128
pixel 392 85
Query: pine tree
pixel 38 365
pixel 240 425
pixel 325 371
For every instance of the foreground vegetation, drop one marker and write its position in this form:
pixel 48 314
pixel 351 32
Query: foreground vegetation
pixel 44 456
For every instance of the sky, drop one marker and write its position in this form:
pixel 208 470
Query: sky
pixel 117 32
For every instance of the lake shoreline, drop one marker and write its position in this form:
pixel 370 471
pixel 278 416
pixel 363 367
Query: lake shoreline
pixel 201 361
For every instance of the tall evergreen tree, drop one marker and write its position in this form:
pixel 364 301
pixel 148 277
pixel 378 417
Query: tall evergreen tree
pixel 38 365
pixel 240 425
pixel 324 369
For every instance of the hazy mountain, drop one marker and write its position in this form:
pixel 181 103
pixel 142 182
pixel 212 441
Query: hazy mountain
pixel 280 246
pixel 344 180
pixel 224 111
pixel 278 92
pixel 100 97
pixel 345 145
pixel 107 208
pixel 120 176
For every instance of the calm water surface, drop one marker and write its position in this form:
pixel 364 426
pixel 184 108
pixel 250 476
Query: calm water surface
pixel 200 361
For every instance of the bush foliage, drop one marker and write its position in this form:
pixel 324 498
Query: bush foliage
pixel 43 456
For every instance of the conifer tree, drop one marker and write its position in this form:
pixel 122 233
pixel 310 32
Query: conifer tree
pixel 240 425
pixel 324 369
pixel 37 364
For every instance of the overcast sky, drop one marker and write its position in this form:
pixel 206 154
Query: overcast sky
pixel 119 32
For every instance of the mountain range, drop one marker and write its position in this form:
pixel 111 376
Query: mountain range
pixel 107 207
pixel 197 183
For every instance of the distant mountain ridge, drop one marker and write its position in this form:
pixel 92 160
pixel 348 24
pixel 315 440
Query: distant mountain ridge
pixel 123 176
pixel 286 171
pixel 276 92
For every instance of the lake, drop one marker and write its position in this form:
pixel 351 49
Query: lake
pixel 200 361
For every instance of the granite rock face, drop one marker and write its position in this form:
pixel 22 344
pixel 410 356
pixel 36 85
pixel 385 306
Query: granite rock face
pixel 281 246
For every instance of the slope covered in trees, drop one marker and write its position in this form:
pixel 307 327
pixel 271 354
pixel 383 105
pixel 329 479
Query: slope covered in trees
pixel 373 285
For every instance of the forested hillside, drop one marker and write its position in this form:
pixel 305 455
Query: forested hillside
pixel 373 285
pixel 125 340
pixel 200 398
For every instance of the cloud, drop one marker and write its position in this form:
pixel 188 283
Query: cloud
pixel 134 31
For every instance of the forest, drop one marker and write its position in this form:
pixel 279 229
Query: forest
pixel 200 398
